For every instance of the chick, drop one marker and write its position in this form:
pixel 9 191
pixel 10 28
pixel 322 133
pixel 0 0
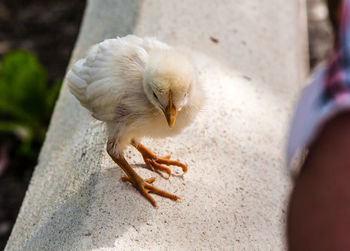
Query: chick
pixel 140 87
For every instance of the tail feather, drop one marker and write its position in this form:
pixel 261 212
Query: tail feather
pixel 76 82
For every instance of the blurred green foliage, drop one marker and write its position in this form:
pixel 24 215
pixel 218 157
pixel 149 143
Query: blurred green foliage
pixel 25 99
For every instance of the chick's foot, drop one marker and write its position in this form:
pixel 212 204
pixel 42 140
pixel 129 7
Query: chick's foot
pixel 156 163
pixel 145 187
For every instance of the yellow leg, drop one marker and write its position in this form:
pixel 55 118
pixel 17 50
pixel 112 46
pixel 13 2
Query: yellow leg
pixel 157 163
pixel 144 186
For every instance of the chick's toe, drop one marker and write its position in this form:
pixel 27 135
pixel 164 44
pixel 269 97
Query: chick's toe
pixel 145 187
pixel 156 163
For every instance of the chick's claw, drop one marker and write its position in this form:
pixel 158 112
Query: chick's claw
pixel 149 180
pixel 156 166
pixel 166 157
pixel 168 162
pixel 157 163
pixel 145 187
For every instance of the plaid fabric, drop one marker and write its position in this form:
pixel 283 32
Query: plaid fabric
pixel 337 82
pixel 327 95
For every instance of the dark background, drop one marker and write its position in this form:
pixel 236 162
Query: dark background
pixel 49 30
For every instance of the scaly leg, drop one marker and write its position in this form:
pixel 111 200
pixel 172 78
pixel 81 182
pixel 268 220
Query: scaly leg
pixel 154 162
pixel 144 186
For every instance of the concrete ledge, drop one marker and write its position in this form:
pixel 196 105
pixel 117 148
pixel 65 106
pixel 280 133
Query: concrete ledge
pixel 234 195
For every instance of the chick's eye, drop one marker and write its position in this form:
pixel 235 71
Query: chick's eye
pixel 155 96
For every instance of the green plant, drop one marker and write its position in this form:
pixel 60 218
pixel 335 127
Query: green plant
pixel 25 99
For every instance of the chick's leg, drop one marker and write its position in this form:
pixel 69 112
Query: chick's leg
pixel 157 163
pixel 144 186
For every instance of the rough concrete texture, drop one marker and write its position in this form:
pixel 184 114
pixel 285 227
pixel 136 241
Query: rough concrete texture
pixel 235 192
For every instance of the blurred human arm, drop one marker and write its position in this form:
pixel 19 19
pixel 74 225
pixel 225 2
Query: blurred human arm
pixel 319 209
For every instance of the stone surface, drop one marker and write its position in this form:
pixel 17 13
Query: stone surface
pixel 251 58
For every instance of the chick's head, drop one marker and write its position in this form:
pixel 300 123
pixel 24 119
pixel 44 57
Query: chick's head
pixel 168 81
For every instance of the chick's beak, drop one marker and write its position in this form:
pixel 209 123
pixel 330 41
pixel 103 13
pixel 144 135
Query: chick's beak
pixel 170 111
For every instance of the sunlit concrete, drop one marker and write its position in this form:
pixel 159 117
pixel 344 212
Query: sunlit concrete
pixel 251 60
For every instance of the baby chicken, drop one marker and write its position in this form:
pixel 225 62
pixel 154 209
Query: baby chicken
pixel 140 87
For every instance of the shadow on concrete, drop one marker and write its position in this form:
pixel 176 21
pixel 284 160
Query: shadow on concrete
pixel 103 209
